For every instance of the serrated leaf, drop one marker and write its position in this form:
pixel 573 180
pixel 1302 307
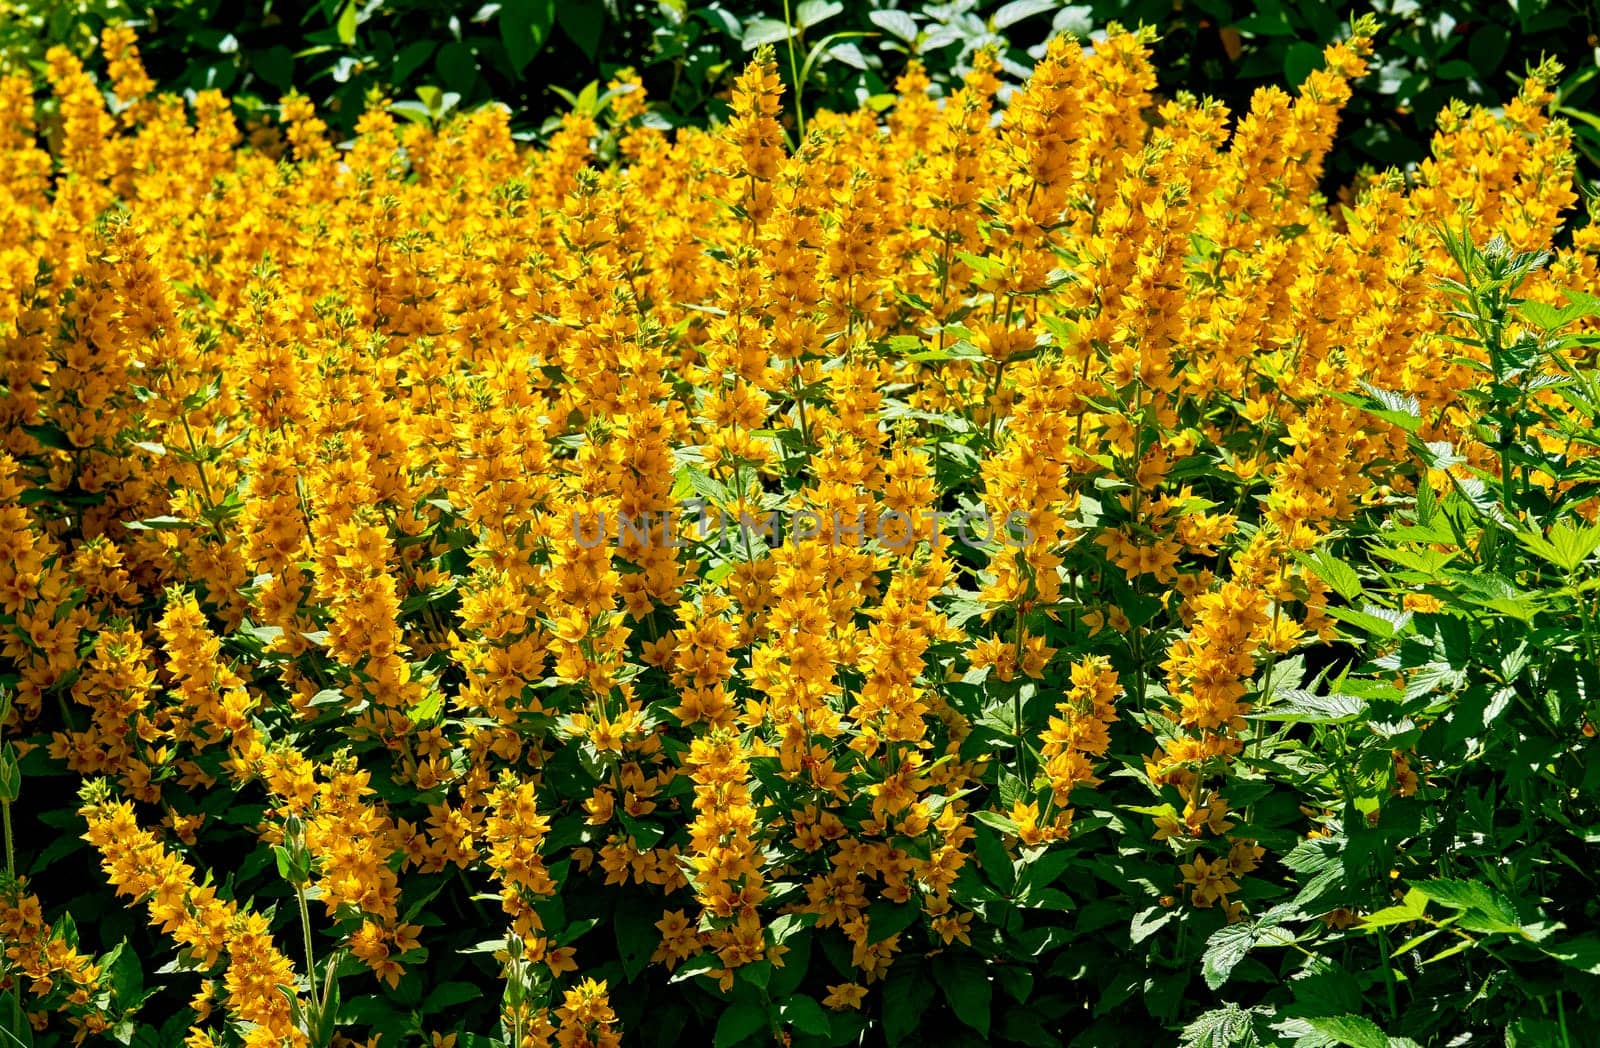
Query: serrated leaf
pixel 1315 854
pixel 1341 577
pixel 1565 545
pixel 1297 706
pixel 1469 895
pixel 1350 1030
pixel 1223 1027
pixel 1410 909
pixel 1226 947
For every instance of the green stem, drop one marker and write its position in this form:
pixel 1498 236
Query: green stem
pixel 305 931
pixel 800 407
pixel 994 393
pixel 1388 976
pixel 11 853
pixel 514 972
pixel 794 76
pixel 205 484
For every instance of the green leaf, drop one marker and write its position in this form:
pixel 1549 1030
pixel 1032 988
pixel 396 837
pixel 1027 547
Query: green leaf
pixel 448 995
pixel 52 437
pixel 1300 60
pixel 1380 622
pixel 637 935
pixel 693 966
pixel 1316 854
pixel 1457 894
pixel 584 22
pixel 1340 576
pixel 787 926
pixel 524 27
pixel 895 23
pixel 1350 1030
pixel 1017 10
pixel 1566 545
pixel 1147 922
pixel 13 1021
pixel 1392 407
pixel 1324 988
pixel 1487 47
pixel 765 31
pixel 1484 909
pixel 1268 20
pixel 1410 909
pixel 1226 947
pixel 1220 1028
pixel 966 986
pixel 739 1023
pixel 993 857
pixel 1582 953
pixel 907 993
pixel 890 918
pixel 349 18
pixel 813 12
pixel 1015 980
pixel 960 349
pixel 125 974
pixel 1297 706
pixel 164 523
pixel 805 1015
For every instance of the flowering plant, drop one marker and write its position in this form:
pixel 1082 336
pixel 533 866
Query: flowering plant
pixel 371 743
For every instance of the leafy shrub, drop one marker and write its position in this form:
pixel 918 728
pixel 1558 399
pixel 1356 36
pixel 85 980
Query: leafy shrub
pixel 1454 754
pixel 1057 708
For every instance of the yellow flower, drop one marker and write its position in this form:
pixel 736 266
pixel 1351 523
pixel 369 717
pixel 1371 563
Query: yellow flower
pixel 845 995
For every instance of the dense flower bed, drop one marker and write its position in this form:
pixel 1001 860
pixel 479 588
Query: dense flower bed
pixel 488 596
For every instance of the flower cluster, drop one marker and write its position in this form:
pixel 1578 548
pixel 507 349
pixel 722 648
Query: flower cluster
pixel 296 440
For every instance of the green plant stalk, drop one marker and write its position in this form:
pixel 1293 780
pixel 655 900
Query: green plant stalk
pixel 305 932
pixel 515 972
pixel 1272 664
pixel 794 75
pixel 11 886
pixel 1016 709
pixel 205 485
pixel 800 408
pixel 1388 975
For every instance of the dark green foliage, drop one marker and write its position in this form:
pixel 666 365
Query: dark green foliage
pixel 536 55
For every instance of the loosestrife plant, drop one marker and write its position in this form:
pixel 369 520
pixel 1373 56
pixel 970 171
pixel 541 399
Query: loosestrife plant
pixel 326 722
